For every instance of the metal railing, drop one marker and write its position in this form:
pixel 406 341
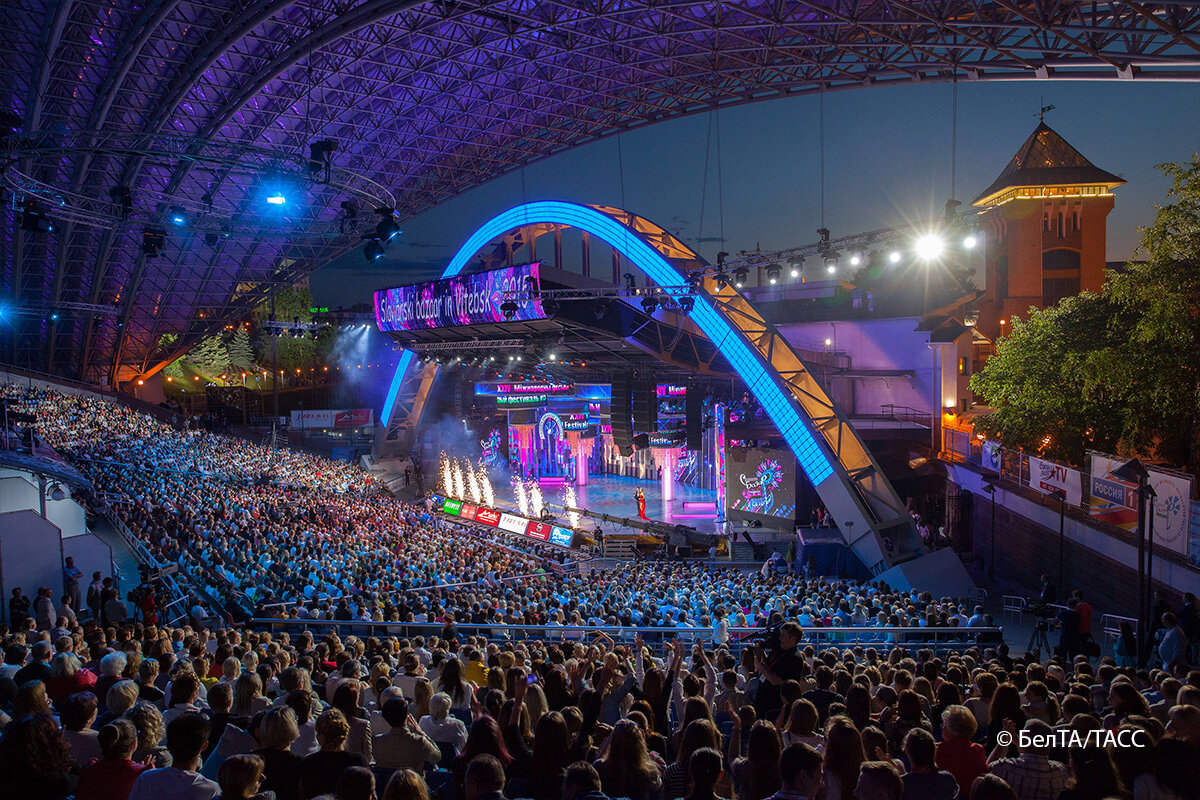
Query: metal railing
pixel 1110 624
pixel 143 555
pixel 937 639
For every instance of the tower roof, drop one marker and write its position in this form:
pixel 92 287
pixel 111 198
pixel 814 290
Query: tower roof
pixel 1046 159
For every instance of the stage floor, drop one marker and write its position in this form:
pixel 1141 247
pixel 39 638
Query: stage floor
pixel 613 495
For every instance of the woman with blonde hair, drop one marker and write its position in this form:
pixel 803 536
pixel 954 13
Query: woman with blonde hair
pixel 31 699
pixel 248 699
pixel 276 732
pixel 422 693
pixel 150 731
pixel 406 785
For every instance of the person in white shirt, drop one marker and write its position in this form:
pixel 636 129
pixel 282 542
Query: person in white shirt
pixel 187 736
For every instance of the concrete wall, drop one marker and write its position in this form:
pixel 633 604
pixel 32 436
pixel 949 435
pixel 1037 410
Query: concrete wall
pixel 1027 545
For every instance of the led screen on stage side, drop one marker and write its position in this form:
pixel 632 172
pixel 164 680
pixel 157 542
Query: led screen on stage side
pixel 488 517
pixel 463 300
pixel 761 482
pixel 513 524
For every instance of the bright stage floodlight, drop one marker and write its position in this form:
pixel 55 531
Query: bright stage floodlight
pixel 855 260
pixel 930 246
pixel 894 256
pixel 276 199
pixel 969 242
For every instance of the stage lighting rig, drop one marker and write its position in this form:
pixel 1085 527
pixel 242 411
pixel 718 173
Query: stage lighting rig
pixel 649 305
pixel 773 274
pixel 831 259
pixel 509 309
pixel 739 277
pixel 686 304
pixel 154 241
pixel 798 267
pixel 320 158
pixel 349 216
pixel 372 250
pixel 122 198
pixel 387 228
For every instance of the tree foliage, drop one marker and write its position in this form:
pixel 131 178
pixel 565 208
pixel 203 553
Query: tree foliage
pixel 1117 370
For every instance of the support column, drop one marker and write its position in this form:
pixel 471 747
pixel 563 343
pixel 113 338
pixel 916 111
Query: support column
pixel 586 254
pixel 669 459
pixel 579 452
pixel 719 457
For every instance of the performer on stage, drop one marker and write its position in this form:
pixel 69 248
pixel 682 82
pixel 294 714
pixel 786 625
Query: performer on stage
pixel 641 501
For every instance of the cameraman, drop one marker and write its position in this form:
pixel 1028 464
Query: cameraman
pixel 782 663
pixel 1069 638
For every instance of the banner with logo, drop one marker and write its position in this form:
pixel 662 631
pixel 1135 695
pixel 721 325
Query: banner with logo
pixel 991 456
pixel 332 418
pixel 1171 508
pixel 1046 477
pixel 1113 500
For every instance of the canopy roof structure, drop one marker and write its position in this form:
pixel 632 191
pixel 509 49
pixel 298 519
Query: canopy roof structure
pixel 421 101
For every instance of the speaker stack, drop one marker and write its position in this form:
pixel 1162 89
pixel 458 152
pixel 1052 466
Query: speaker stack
pixel 620 415
pixel 645 405
pixel 693 409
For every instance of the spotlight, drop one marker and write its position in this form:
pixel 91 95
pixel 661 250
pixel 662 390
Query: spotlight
pixel 211 239
pixel 600 310
pixel 722 281
pixel 894 256
pixel 276 199
pixel 630 281
pixel 929 246
pixel 33 217
pixel 318 156
pixel 855 259
pixel 509 309
pixel 773 274
pixel 349 216
pixel 123 199
pixel 649 305
pixel 373 250
pixel 178 216
pixel 154 241
pixel 831 258
pixel 739 277
pixel 550 306
pixel 798 267
pixel 970 241
pixel 387 228
pixel 686 304
pixel 553 357
pixel 54 317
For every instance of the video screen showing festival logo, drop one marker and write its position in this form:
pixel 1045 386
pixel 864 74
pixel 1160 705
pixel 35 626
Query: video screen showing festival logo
pixel 463 300
pixel 761 483
pixel 492 454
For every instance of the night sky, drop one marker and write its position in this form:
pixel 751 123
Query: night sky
pixel 887 160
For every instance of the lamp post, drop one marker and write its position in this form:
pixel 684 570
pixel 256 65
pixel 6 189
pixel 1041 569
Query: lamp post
pixel 1061 497
pixel 990 488
pixel 1134 472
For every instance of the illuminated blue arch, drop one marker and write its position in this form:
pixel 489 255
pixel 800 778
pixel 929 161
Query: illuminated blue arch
pixel 743 358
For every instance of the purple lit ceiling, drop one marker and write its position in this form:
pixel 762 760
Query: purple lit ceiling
pixel 433 98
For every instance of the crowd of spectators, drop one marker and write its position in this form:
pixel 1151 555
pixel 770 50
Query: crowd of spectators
pixel 98 706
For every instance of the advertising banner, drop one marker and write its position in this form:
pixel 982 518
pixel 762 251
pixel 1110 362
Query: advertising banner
pixel 538 530
pixel 462 300
pixel 468 511
pixel 1046 476
pixel 1171 507
pixel 488 517
pixel 512 524
pixel 561 536
pixel 332 418
pixel 1113 500
pixel 451 506
pixel 991 456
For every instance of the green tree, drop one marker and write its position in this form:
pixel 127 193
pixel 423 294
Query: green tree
pixel 1115 369
pixel 210 355
pixel 241 354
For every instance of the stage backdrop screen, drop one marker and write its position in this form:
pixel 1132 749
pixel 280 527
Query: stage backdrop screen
pixel 462 300
pixel 761 483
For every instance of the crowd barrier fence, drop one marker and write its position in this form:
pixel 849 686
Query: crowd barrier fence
pixel 937 639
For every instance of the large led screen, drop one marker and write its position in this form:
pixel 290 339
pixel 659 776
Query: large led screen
pixel 463 300
pixel 761 483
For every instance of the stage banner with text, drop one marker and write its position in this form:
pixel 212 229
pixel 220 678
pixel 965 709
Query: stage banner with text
pixel 1046 476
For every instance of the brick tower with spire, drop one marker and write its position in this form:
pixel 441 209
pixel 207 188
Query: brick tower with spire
pixel 1044 226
